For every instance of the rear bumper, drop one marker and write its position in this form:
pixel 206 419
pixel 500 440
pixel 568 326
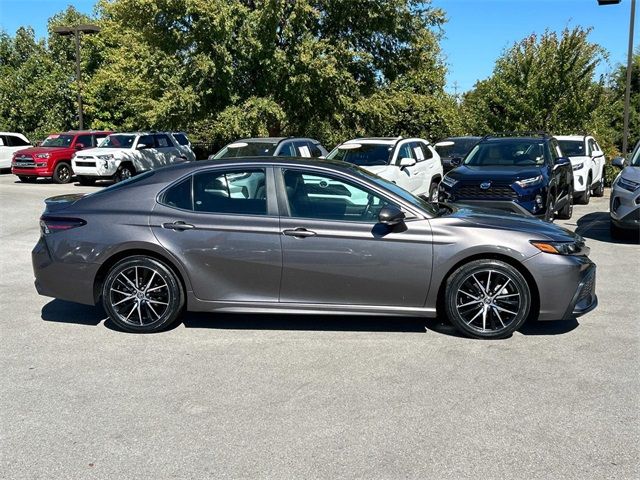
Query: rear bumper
pixel 72 281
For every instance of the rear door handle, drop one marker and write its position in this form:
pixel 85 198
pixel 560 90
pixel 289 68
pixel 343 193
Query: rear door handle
pixel 298 233
pixel 178 226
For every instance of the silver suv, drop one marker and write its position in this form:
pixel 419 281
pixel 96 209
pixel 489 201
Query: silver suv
pixel 625 196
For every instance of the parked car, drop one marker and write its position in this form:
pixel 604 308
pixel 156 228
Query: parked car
pixel 303 236
pixel 587 160
pixel 625 196
pixel 454 147
pixel 522 174
pixel 411 163
pixel 184 145
pixel 10 143
pixel 272 147
pixel 123 155
pixel 52 158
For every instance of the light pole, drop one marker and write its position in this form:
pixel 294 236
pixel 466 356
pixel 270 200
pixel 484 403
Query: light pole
pixel 75 31
pixel 627 93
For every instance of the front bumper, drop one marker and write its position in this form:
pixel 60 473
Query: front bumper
pixel 625 208
pixel 566 285
pixel 32 171
pixel 93 167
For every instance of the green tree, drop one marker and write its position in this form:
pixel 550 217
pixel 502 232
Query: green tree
pixel 616 104
pixel 541 83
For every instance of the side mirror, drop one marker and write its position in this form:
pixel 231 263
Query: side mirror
pixel 618 162
pixel 391 215
pixel 560 161
pixel 142 146
pixel 78 146
pixel 407 162
pixel 455 161
pixel 597 153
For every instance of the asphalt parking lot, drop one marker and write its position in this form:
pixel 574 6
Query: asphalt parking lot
pixel 249 396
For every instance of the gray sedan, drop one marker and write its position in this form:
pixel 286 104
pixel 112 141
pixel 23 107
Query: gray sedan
pixel 303 236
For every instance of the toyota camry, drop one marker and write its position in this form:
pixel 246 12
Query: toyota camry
pixel 303 236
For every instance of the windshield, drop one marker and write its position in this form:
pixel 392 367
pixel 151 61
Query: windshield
pixel 460 147
pixel 247 149
pixel 57 141
pixel 118 141
pixel 635 157
pixel 506 153
pixel 400 192
pixel 364 155
pixel 572 148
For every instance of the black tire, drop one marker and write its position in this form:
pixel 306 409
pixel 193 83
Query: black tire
pixel 87 181
pixel 566 212
pixel 476 312
pixel 62 173
pixel 26 179
pixel 599 190
pixel 151 300
pixel 433 192
pixel 550 213
pixel 586 195
pixel 124 172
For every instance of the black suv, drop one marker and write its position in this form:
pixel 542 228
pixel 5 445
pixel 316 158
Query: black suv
pixel 521 173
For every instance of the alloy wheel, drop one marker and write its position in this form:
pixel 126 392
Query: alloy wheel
pixel 139 296
pixel 488 301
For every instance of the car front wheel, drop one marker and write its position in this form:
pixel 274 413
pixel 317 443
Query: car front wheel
pixel 125 172
pixel 141 294
pixel 62 173
pixel 487 299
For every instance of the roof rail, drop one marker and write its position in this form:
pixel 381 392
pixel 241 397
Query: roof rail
pixel 530 133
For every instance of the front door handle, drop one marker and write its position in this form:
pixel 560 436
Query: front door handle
pixel 179 225
pixel 298 232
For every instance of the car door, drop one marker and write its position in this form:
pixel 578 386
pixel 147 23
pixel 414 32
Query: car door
pixel 411 177
pixel 596 159
pixel 167 152
pixel 223 226
pixel 147 157
pixel 334 251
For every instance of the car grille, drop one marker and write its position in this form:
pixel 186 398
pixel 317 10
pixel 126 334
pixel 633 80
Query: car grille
pixel 474 192
pixel 85 164
pixel 24 161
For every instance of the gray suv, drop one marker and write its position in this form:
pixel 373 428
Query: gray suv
pixel 272 147
pixel 625 196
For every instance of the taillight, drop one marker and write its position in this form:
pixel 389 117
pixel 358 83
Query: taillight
pixel 49 225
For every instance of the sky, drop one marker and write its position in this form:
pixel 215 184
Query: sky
pixel 476 33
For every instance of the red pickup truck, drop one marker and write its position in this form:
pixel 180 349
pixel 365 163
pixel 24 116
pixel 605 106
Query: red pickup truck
pixel 52 158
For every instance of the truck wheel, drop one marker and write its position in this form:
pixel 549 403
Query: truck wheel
pixel 124 172
pixel 62 173
pixel 88 181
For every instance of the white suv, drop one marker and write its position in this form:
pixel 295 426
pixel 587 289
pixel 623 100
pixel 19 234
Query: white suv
pixel 122 155
pixel 10 143
pixel 587 160
pixel 410 163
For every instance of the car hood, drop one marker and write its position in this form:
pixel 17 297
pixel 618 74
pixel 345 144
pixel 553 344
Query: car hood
pixel 631 173
pixel 497 174
pixel 501 220
pixel 36 150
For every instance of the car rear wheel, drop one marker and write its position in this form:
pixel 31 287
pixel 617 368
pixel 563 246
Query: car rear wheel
pixel 142 295
pixel 62 173
pixel 599 190
pixel 124 172
pixel 487 299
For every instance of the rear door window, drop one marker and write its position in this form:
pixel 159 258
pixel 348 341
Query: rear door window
pixel 287 150
pixel 302 149
pixel 162 141
pixel 241 192
pixel 146 140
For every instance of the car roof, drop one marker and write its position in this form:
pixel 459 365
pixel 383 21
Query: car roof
pixel 571 137
pixel 272 139
pixel 507 139
pixel 380 140
pixel 80 132
pixel 462 137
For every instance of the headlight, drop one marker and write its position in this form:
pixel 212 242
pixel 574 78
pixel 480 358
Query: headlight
pixel 42 155
pixel 106 157
pixel 629 185
pixel 529 182
pixel 578 166
pixel 559 248
pixel 449 182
